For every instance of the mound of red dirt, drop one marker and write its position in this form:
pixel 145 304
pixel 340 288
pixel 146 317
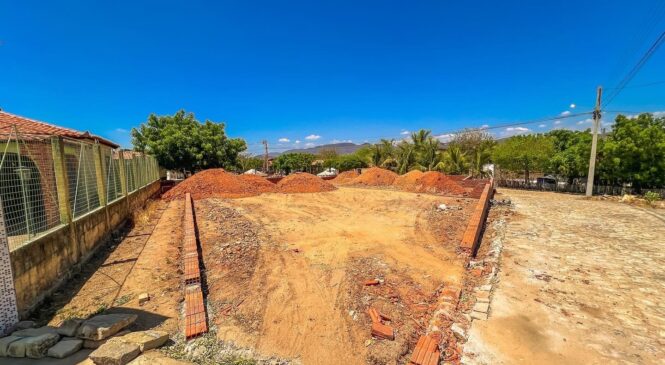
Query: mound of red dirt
pixel 438 183
pixel 345 177
pixel 261 184
pixel 217 183
pixel 303 183
pixel 408 181
pixel 376 176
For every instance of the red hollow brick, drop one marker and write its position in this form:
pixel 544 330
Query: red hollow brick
pixel 382 331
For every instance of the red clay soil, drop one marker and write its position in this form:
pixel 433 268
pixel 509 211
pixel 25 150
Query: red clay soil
pixel 408 181
pixel 216 183
pixel 303 183
pixel 376 176
pixel 262 184
pixel 345 177
pixel 438 183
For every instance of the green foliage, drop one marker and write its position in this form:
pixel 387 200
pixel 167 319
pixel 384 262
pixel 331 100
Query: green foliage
pixel 290 162
pixel 634 152
pixel 651 197
pixel 453 161
pixel 524 153
pixel 248 162
pixel 348 162
pixel 180 141
pixel 571 153
pixel 476 145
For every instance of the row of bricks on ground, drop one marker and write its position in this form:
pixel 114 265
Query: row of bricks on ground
pixel 195 314
pixel 472 232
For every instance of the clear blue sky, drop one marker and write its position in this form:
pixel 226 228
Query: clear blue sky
pixel 341 70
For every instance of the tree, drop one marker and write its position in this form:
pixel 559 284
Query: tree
pixel 181 142
pixel 290 162
pixel 453 161
pixel 634 152
pixel 571 153
pixel 248 162
pixel 350 162
pixel 524 153
pixel 476 145
pixel 405 157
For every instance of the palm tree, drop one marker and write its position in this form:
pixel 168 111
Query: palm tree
pixel 405 156
pixel 376 154
pixel 429 155
pixel 419 138
pixel 453 161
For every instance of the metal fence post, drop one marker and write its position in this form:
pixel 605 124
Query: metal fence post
pixel 8 307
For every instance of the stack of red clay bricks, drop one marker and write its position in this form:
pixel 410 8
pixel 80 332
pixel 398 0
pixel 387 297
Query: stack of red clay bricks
pixel 380 330
pixel 471 238
pixel 195 315
pixel 426 351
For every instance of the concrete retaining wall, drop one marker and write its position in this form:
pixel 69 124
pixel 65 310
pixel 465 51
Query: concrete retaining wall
pixel 42 265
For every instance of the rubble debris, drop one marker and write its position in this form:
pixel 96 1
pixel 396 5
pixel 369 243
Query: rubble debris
pixel 372 282
pixel 115 352
pixel 426 351
pixel 144 298
pixel 104 326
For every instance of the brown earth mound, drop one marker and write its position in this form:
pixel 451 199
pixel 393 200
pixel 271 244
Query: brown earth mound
pixel 408 181
pixel 217 183
pixel 260 183
pixel 303 183
pixel 438 183
pixel 345 177
pixel 376 177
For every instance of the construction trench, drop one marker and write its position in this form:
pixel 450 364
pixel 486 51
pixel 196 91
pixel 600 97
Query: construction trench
pixel 392 304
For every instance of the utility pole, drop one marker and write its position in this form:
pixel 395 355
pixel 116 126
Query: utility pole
pixel 594 142
pixel 265 156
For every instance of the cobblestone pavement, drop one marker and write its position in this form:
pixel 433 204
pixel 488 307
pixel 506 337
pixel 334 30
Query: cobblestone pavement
pixel 581 282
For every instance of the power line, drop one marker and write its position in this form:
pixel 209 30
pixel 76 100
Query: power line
pixel 640 85
pixel 624 82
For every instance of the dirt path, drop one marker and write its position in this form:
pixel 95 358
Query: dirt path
pixel 581 282
pixel 144 260
pixel 300 287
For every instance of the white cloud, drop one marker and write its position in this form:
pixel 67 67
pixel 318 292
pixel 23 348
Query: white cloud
pixel 658 114
pixel 445 137
pixel 517 129
pixel 120 130
pixel 312 137
pixel 284 140
pixel 404 133
pixel 572 106
pixel 542 125
pixel 297 141
pixel 341 141
pixel 557 122
pixel 585 121
pixel 565 113
pixel 484 126
pixel 309 144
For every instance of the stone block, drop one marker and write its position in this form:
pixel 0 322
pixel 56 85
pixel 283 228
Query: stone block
pixel 34 332
pixel 479 315
pixel 115 352
pixel 65 348
pixel 93 344
pixel 5 342
pixel 24 325
pixel 143 298
pixel 37 347
pixel 17 348
pixel 481 307
pixel 69 327
pixel 104 326
pixel 146 340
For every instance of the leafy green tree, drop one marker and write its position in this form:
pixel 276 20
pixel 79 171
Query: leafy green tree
pixel 634 152
pixel 476 145
pixel 524 153
pixel 291 162
pixel 350 162
pixel 571 153
pixel 180 142
pixel 248 162
pixel 453 161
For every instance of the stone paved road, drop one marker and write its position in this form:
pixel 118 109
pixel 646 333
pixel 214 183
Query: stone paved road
pixel 581 282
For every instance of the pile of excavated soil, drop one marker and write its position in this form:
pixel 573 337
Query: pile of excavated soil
pixel 260 183
pixel 376 176
pixel 438 183
pixel 345 177
pixel 303 183
pixel 217 183
pixel 408 181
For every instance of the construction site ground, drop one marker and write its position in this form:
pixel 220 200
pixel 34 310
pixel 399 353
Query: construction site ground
pixel 286 273
pixel 581 282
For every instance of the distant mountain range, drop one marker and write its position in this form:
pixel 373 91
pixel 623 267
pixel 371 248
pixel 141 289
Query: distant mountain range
pixel 344 148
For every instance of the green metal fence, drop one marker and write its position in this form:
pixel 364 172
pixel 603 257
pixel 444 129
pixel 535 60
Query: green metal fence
pixel 39 173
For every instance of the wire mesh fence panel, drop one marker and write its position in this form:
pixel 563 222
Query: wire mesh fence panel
pixel 130 172
pixel 82 176
pixel 27 186
pixel 111 168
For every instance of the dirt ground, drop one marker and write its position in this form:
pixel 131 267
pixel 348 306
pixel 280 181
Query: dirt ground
pixel 581 282
pixel 141 259
pixel 285 273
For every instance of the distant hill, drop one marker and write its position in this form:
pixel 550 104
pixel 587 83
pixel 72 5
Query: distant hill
pixel 345 148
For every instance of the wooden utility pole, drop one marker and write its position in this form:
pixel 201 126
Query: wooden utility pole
pixel 594 142
pixel 265 156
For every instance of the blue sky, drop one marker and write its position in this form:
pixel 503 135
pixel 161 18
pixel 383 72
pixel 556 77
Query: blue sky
pixel 338 70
